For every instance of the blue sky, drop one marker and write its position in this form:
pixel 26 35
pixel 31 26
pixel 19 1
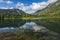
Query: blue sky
pixel 28 6
pixel 28 2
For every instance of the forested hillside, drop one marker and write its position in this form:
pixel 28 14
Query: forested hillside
pixel 51 10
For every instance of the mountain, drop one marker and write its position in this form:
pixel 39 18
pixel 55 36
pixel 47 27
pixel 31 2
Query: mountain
pixel 11 11
pixel 52 9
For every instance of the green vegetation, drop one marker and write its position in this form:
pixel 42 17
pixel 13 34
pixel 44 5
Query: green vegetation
pixel 53 10
pixel 19 35
pixel 11 13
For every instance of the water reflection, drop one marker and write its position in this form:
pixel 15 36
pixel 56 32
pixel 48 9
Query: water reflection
pixel 34 27
pixel 6 29
pixel 28 25
pixel 12 23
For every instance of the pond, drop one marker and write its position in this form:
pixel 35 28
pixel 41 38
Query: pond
pixel 7 25
pixel 51 24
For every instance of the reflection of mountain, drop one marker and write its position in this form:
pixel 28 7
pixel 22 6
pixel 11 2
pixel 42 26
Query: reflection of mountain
pixel 51 24
pixel 9 29
pixel 12 23
pixel 28 31
pixel 17 34
pixel 27 27
pixel 33 27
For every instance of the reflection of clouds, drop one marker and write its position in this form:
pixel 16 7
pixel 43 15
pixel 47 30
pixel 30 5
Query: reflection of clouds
pixel 29 25
pixel 38 28
pixel 6 29
pixel 34 26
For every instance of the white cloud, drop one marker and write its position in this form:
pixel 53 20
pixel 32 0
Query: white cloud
pixel 38 6
pixel 6 7
pixel 22 6
pixel 9 2
pixel 6 1
pixel 1 0
pixel 19 4
pixel 3 7
pixel 30 11
pixel 52 1
pixel 11 7
pixel 31 8
pixel 34 6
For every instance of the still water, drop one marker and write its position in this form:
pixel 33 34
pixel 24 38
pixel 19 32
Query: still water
pixel 17 23
pixel 7 25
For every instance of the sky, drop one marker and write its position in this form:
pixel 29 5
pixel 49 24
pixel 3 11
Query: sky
pixel 28 6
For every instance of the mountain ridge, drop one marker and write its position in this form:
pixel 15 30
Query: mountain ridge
pixel 50 9
pixel 11 11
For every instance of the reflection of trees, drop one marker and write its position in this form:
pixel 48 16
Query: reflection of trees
pixel 12 23
pixel 51 24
